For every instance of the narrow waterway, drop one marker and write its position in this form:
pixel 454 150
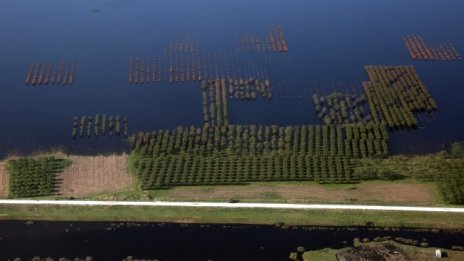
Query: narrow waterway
pixel 116 240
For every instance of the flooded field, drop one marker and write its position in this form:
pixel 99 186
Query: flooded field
pixel 143 61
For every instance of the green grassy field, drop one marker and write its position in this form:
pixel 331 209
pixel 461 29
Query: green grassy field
pixel 244 216
pixel 401 192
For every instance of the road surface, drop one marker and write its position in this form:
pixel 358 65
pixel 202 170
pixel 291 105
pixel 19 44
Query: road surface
pixel 230 205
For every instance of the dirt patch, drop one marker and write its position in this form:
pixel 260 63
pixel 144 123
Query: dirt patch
pixel 4 182
pixel 411 193
pixel 417 193
pixel 90 175
pixel 385 252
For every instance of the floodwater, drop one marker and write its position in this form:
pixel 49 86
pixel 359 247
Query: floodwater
pixel 115 240
pixel 329 42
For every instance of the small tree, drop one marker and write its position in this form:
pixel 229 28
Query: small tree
pixel 457 149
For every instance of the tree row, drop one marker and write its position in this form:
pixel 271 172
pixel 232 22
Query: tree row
pixel 186 169
pixel 341 108
pixel 99 126
pixel 370 140
pixel 215 106
pixel 35 177
pixel 395 93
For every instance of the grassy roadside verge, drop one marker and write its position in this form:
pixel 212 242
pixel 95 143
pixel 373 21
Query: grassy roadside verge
pixel 230 216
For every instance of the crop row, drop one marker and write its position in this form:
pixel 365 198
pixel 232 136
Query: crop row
pixel 185 169
pixel 34 177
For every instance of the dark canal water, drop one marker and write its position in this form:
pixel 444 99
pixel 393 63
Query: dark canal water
pixel 185 242
pixel 329 42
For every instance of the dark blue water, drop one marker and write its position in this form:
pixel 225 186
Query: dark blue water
pixel 187 242
pixel 329 41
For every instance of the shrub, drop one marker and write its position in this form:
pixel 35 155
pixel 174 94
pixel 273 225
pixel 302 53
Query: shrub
pixel 457 149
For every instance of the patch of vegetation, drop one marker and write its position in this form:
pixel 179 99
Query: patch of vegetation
pixel 326 254
pixel 424 168
pixel 215 106
pixel 341 108
pixel 249 89
pixel 98 126
pixel 451 181
pixel 395 93
pixel 387 250
pixel 234 216
pixel 457 149
pixel 237 154
pixel 446 170
pixel 378 252
pixel 271 195
pixel 30 177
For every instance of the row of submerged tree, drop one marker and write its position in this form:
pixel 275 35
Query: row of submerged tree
pixel 395 93
pixel 284 90
pixel 354 140
pixel 341 108
pixel 183 46
pixel 253 43
pixel 188 67
pixel 277 39
pixel 420 50
pixel 99 125
pixel 145 69
pixel 30 177
pixel 278 58
pixel 44 74
pixel 185 68
pixel 231 65
pixel 274 41
pixel 215 104
pixel 249 89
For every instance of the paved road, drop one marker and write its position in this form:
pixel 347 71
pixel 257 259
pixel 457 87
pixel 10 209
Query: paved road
pixel 230 205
